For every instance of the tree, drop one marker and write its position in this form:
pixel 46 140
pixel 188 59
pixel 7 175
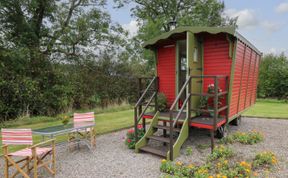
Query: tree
pixel 273 77
pixel 38 40
pixel 153 17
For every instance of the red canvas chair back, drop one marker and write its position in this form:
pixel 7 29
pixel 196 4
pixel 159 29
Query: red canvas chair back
pixel 84 117
pixel 17 137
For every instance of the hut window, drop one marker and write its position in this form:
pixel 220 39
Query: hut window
pixel 195 56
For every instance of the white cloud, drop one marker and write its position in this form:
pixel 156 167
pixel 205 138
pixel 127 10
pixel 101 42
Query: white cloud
pixel 271 26
pixel 246 17
pixel 277 51
pixel 131 27
pixel 282 8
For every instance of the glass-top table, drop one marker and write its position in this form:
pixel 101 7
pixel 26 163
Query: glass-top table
pixel 77 128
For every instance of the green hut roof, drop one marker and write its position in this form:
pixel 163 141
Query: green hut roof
pixel 213 30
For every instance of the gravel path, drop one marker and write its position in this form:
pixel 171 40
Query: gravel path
pixel 112 159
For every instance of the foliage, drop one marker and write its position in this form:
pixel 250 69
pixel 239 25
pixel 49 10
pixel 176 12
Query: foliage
pixel 130 140
pixel 220 152
pixel 249 138
pixel 60 55
pixel 65 119
pixel 189 151
pixel 266 159
pixel 162 102
pixel 153 17
pixel 207 102
pixel 273 77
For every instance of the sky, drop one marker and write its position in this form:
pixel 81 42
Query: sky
pixel 263 22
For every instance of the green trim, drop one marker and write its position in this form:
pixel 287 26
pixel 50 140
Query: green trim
pixel 232 74
pixel 212 30
pixel 183 135
pixel 155 56
pixel 143 141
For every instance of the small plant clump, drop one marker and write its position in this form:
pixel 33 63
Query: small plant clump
pixel 189 151
pixel 130 140
pixel 220 152
pixel 249 138
pixel 265 159
pixel 219 168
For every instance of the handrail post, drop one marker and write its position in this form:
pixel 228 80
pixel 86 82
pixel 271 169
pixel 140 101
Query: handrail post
pixel 189 100
pixel 156 90
pixel 227 99
pixel 171 135
pixel 135 123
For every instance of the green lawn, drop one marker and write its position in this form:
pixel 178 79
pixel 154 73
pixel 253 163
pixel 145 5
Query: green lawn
pixel 269 108
pixel 108 121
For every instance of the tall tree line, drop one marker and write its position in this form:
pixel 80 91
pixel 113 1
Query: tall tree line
pixel 59 55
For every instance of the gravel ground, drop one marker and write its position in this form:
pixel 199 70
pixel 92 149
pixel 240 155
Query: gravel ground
pixel 112 159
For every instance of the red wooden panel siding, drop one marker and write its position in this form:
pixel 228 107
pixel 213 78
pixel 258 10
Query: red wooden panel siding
pixel 166 71
pixel 237 78
pixel 244 79
pixel 250 80
pixel 216 58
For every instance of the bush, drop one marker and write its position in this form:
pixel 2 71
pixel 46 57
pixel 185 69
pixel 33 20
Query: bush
pixel 266 159
pixel 249 138
pixel 130 140
pixel 220 152
pixel 162 102
pixel 273 77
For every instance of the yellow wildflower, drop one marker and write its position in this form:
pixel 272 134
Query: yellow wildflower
pixel 190 166
pixel 218 176
pixel 163 161
pixel 179 163
pixel 224 176
pixel 225 162
pixel 210 177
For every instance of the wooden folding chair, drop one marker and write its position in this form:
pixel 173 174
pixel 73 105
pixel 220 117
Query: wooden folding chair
pixel 31 157
pixel 78 119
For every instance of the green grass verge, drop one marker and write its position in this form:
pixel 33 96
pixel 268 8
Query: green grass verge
pixel 269 108
pixel 105 123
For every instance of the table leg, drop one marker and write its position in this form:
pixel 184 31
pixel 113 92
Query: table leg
pixel 92 137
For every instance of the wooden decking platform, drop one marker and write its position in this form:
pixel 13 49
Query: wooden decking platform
pixel 195 121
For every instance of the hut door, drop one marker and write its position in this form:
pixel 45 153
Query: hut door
pixel 181 68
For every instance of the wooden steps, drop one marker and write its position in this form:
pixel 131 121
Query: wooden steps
pixel 167 128
pixel 160 138
pixel 154 151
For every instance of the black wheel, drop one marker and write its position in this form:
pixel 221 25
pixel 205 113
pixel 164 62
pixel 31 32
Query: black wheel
pixel 236 121
pixel 221 132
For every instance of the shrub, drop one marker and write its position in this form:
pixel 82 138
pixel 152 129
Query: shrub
pixel 249 138
pixel 266 158
pixel 130 140
pixel 220 152
pixel 162 102
pixel 189 151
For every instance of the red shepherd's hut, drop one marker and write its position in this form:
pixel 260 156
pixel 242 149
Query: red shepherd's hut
pixel 209 77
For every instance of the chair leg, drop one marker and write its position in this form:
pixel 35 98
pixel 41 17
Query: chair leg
pixel 35 162
pixel 53 158
pixel 27 166
pixel 6 169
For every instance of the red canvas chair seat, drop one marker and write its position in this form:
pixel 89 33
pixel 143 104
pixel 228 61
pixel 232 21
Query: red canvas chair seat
pixel 32 157
pixel 27 152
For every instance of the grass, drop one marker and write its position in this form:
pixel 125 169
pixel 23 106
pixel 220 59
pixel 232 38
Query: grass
pixel 269 108
pixel 108 120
